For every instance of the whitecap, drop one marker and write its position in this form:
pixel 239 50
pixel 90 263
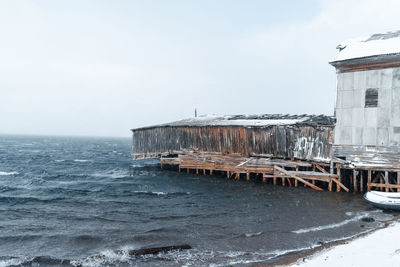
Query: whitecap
pixel 81 160
pixel 358 217
pixel 252 234
pixel 11 262
pixel 59 160
pixel 8 173
pixel 112 174
pixel 106 257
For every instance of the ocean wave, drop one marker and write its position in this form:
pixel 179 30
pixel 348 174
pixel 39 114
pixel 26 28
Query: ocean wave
pixel 11 261
pixel 115 174
pixel 105 258
pixel 35 261
pixel 82 160
pixel 356 218
pixel 8 173
pixel 159 193
pixel 252 234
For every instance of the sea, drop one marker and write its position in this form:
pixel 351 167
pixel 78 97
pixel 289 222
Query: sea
pixel 80 201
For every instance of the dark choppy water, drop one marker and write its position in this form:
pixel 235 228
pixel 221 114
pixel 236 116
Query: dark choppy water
pixel 82 199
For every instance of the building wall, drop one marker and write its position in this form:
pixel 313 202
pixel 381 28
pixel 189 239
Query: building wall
pixel 357 125
pixel 300 142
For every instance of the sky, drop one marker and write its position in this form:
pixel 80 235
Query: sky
pixel 101 68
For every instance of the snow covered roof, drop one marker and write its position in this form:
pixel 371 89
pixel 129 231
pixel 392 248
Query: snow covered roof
pixel 249 121
pixel 383 44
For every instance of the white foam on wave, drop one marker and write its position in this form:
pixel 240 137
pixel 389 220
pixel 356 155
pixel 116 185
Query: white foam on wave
pixel 59 160
pixel 106 258
pixel 357 217
pixel 8 173
pixel 81 160
pixel 112 174
pixel 159 193
pixel 11 262
pixel 151 192
pixel 252 234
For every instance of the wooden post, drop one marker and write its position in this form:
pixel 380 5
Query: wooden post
pixel 361 181
pixel 369 180
pixel 187 170
pixel 354 180
pixel 295 180
pixel 398 181
pixel 197 171
pixel 247 176
pixel 386 181
pixel 313 169
pixel 274 178
pixel 381 181
pixel 204 171
pixel 237 176
pixel 227 174
pixel 339 179
pixel 264 179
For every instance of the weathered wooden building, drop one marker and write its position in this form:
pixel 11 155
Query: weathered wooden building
pixel 301 137
pixel 361 151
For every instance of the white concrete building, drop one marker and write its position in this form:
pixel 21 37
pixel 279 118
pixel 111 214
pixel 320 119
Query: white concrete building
pixel 367 130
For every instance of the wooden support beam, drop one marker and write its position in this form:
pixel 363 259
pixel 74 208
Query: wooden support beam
pixel 398 181
pixel 354 180
pixel 264 179
pixel 320 168
pixel 361 181
pixel 247 176
pixel 339 184
pixel 298 178
pixel 204 171
pixel 274 178
pixel 339 179
pixel 313 182
pixel 386 181
pixel 237 176
pixel 295 180
pixel 388 185
pixel 369 180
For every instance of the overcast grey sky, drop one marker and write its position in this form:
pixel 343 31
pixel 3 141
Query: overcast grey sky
pixel 99 68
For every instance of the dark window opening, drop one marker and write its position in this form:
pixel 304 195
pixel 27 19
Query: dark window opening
pixel 371 98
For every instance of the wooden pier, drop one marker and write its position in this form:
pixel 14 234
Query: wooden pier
pixel 276 171
pixel 313 174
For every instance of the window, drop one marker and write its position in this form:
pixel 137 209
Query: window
pixel 371 98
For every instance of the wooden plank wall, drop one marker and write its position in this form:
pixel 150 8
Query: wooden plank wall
pixel 300 142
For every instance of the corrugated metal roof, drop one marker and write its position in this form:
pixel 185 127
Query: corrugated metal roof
pixel 265 120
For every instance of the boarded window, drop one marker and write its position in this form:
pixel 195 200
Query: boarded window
pixel 371 98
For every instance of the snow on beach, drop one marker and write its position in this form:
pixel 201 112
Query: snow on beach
pixel 380 248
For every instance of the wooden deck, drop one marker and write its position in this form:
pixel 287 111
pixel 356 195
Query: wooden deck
pixel 284 172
